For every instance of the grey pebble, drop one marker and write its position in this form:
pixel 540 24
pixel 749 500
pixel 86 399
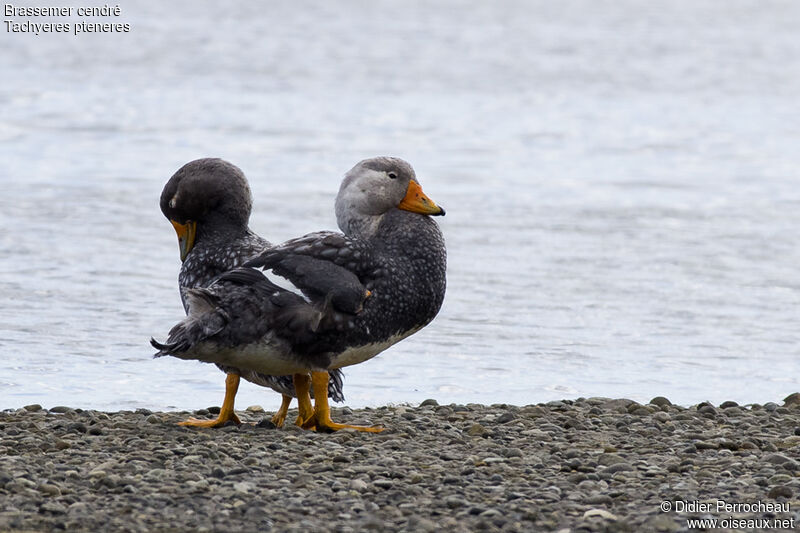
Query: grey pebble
pixel 660 401
pixel 243 486
pixel 477 430
pixel 777 458
pixel 454 502
pixel 661 416
pixel 706 445
pixel 505 417
pixel 781 491
pixel 77 427
pixel 618 467
pixel 383 483
pixel 53 507
pixel 607 459
pixel 358 485
pixel 50 489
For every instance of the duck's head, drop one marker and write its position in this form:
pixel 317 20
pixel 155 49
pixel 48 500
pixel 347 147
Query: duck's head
pixel 375 186
pixel 204 194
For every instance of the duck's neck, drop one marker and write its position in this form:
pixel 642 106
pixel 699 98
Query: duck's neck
pixel 364 227
pixel 410 233
pixel 219 231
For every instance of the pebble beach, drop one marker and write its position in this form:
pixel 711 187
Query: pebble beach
pixel 583 465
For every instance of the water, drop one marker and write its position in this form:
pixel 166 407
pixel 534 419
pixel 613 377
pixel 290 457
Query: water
pixel 621 182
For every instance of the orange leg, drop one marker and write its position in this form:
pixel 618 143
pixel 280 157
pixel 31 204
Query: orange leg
pixel 226 412
pixel 322 411
pixel 302 385
pixel 280 416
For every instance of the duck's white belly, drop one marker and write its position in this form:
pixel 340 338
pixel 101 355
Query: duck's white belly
pixel 263 357
pixel 359 354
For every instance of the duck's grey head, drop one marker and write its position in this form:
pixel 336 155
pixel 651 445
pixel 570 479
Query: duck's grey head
pixel 375 186
pixel 206 192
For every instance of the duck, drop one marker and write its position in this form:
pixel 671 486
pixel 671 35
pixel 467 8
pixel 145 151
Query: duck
pixel 209 203
pixel 390 243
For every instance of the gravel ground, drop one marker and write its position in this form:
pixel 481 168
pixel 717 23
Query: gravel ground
pixel 587 465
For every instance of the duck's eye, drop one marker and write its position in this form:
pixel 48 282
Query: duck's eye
pixel 392 175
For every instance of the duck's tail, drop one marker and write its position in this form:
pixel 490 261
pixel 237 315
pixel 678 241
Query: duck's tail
pixel 204 319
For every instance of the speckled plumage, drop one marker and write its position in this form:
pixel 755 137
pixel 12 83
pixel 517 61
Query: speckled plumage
pixel 215 194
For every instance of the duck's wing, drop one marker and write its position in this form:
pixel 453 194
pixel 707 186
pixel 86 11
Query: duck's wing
pixel 354 255
pixel 324 266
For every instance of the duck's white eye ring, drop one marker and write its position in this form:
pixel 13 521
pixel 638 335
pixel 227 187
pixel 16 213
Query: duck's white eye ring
pixel 392 175
pixel 173 202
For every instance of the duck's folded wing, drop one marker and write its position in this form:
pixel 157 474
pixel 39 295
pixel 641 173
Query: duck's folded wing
pixel 351 254
pixel 322 267
pixel 266 308
pixel 271 311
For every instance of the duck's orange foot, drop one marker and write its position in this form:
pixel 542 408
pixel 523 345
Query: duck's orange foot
pixel 278 419
pixel 280 415
pixel 217 422
pixel 329 426
pixel 321 418
pixel 226 413
pixel 306 424
pixel 305 412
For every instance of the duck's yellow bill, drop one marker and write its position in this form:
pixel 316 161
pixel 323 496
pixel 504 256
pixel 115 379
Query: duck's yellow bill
pixel 417 202
pixel 186 235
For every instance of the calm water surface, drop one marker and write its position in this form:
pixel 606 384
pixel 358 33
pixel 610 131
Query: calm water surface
pixel 622 182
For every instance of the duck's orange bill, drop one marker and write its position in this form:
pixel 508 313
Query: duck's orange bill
pixel 417 202
pixel 186 236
